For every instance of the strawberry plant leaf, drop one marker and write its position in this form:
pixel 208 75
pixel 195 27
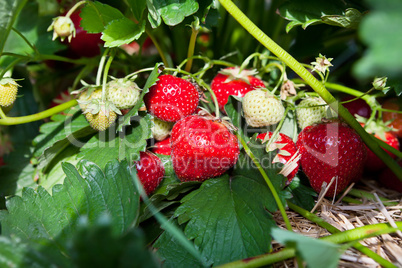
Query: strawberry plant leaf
pixel 381 25
pixel 244 234
pixel 122 31
pixel 37 215
pixel 152 79
pixel 9 11
pixel 172 253
pixel 170 11
pixel 34 30
pixel 106 146
pixel 137 7
pixel 314 252
pixel 97 16
pixel 306 13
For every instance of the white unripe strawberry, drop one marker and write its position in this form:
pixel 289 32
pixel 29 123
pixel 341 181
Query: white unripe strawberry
pixel 90 94
pixel 123 93
pixel 8 92
pixel 314 112
pixel 101 115
pixel 261 108
pixel 161 129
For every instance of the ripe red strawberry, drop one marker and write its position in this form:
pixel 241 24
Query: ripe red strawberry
pixel 171 98
pixel 380 131
pixel 328 150
pixel 390 180
pixel 162 147
pixel 287 153
pixel 359 106
pixel 230 81
pixel 84 44
pixel 202 148
pixel 150 171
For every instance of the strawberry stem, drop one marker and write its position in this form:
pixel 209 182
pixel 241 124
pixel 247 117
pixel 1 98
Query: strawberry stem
pixel 101 67
pixel 38 116
pixel 105 74
pixel 347 236
pixel 195 26
pixel 330 228
pixel 158 48
pixel 2 114
pixel 267 180
pixel 71 11
pixel 316 85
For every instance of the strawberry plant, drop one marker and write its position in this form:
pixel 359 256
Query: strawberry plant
pixel 198 133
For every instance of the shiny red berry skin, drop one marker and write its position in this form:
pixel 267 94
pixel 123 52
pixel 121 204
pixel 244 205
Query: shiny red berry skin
pixel 150 171
pixel 359 107
pixel 328 150
pixel 237 87
pixel 202 148
pixel 162 147
pixel 84 44
pixel 171 98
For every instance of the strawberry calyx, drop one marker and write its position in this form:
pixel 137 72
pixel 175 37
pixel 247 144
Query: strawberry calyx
pixel 235 73
pixel 375 127
pixel 224 120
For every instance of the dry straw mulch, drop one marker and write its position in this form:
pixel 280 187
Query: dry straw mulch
pixel 346 216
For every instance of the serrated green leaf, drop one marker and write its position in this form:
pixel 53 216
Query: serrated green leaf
pixel 233 210
pixel 37 215
pixel 314 252
pixel 122 31
pixel 137 7
pixel 379 26
pixel 152 79
pixel 172 253
pixel 106 146
pixel 351 19
pixel 172 12
pixel 310 12
pixel 97 16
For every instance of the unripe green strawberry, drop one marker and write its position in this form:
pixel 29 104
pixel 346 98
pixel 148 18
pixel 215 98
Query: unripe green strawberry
pixel 309 116
pixel 123 93
pixel 8 92
pixel 90 94
pixel 161 129
pixel 101 115
pixel 261 108
pixel 62 27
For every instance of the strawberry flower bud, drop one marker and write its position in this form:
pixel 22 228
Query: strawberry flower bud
pixel 379 83
pixel 62 27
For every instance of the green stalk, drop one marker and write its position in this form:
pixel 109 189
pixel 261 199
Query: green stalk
pixel 194 32
pixel 105 73
pixel 268 181
pixel 2 114
pixel 316 85
pixel 370 196
pixel 356 234
pixel 320 222
pixel 39 116
pixel 158 48
pixel 101 67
